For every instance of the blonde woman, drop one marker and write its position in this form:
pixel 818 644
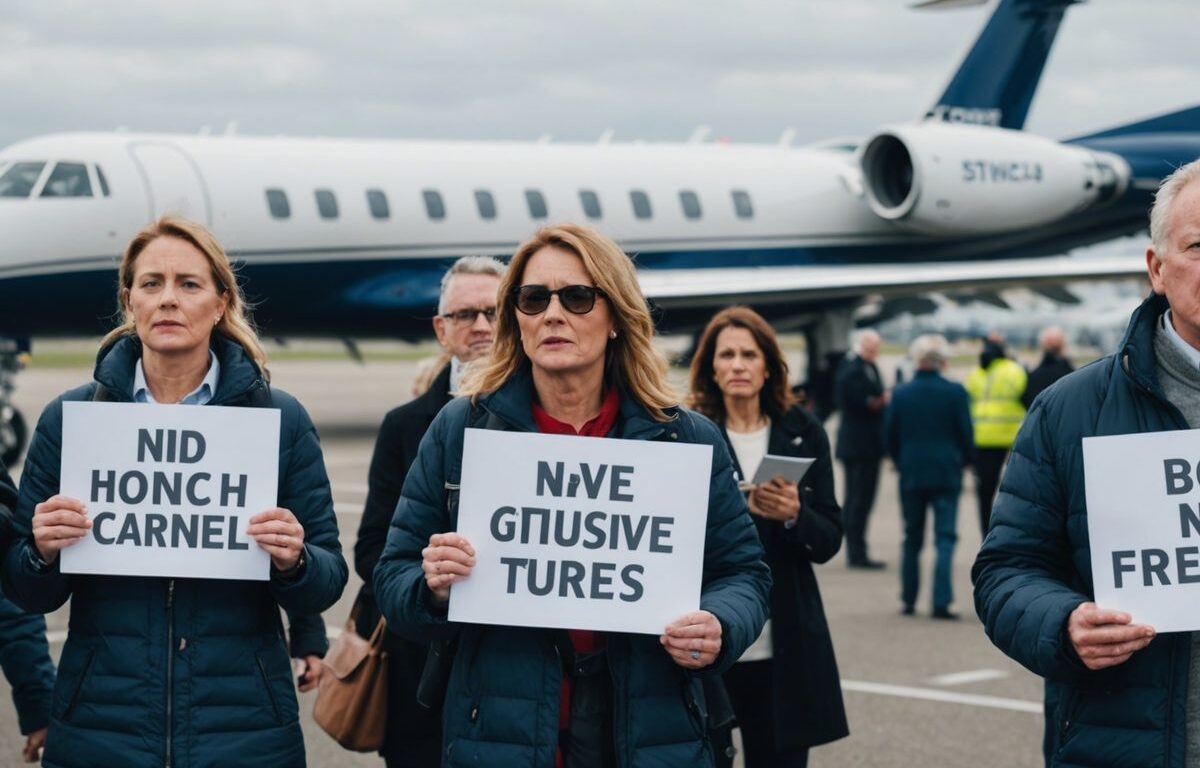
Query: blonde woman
pixel 178 672
pixel 572 355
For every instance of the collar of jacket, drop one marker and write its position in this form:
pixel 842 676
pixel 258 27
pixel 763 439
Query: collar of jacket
pixel 511 404
pixel 1137 348
pixel 239 374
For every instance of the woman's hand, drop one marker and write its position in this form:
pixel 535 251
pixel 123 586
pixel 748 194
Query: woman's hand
pixel 58 522
pixel 448 558
pixel 33 746
pixel 280 534
pixel 778 500
pixel 310 676
pixel 693 640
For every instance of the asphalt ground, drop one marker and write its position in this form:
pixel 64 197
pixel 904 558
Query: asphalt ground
pixel 918 692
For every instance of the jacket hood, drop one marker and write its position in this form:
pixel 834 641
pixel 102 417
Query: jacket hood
pixel 239 373
pixel 1137 348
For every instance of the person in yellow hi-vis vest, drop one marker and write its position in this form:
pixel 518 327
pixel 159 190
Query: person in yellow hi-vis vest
pixel 995 388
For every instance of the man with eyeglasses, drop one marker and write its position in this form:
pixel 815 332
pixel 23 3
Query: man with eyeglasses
pixel 464 325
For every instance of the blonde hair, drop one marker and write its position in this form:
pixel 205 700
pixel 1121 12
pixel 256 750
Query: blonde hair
pixel 234 323
pixel 631 361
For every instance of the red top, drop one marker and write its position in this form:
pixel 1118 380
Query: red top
pixel 582 640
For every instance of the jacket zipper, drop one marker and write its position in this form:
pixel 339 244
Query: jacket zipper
pixel 170 664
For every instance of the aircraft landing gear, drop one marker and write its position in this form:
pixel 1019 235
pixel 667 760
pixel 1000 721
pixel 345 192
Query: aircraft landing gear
pixel 827 343
pixel 13 429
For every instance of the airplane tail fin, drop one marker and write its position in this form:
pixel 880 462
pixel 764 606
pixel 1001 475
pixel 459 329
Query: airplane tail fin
pixel 999 75
pixel 1181 121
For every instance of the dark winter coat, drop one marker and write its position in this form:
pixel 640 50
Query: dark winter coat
pixel 807 692
pixel 502 701
pixel 178 672
pixel 1035 568
pixel 1052 368
pixel 24 653
pixel 408 723
pixel 860 431
pixel 928 432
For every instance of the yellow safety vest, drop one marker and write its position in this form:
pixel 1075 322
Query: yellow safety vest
pixel 996 407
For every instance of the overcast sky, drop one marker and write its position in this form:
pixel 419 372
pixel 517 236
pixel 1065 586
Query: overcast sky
pixel 517 69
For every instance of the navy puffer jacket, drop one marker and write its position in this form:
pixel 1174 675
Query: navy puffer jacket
pixel 502 698
pixel 1035 567
pixel 178 672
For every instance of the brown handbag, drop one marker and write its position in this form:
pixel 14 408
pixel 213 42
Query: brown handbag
pixel 352 696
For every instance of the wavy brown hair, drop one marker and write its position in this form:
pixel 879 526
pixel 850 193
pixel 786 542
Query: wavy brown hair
pixel 234 323
pixel 706 397
pixel 631 361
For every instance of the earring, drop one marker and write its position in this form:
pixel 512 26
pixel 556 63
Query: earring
pixel 612 334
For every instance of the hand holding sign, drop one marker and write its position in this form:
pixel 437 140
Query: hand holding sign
pixel 1104 638
pixel 58 522
pixel 279 533
pixel 777 500
pixel 693 640
pixel 448 558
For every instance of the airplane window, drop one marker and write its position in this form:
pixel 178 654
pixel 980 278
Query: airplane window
pixel 103 181
pixel 641 204
pixel 691 204
pixel 591 203
pixel 278 203
pixel 68 180
pixel 19 179
pixel 537 204
pixel 378 203
pixel 433 204
pixel 741 204
pixel 485 203
pixel 326 204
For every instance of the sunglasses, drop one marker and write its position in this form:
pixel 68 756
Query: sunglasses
pixel 576 299
pixel 468 316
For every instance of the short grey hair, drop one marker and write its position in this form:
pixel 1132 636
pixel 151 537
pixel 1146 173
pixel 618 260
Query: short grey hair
pixel 1164 199
pixel 469 265
pixel 929 351
pixel 862 336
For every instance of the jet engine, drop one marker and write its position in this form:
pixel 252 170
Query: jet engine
pixel 957 179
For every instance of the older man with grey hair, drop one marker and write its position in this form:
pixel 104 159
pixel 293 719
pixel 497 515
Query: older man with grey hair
pixel 861 397
pixel 1117 693
pixel 463 325
pixel 928 434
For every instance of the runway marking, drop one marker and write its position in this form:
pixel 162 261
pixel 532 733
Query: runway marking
pixel 973 676
pixel 931 694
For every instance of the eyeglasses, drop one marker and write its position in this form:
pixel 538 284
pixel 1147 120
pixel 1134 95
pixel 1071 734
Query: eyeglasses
pixel 576 299
pixel 468 316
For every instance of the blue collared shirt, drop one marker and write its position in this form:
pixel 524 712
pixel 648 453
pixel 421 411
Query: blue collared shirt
pixel 198 396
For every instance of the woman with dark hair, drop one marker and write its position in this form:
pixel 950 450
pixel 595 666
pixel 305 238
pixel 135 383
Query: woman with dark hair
pixel 573 354
pixel 785 690
pixel 165 671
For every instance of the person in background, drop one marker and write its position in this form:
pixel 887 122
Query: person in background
pixel 466 315
pixel 928 432
pixel 785 702
pixel 573 354
pixel 24 652
pixel 1054 364
pixel 995 387
pixel 164 671
pixel 1117 693
pixel 861 398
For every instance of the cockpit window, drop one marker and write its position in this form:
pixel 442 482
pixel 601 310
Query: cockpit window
pixel 19 179
pixel 68 180
pixel 103 181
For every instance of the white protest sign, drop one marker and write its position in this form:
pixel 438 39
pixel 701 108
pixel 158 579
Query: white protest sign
pixel 170 489
pixel 1143 501
pixel 581 532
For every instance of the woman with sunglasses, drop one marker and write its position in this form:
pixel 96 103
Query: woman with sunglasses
pixel 572 355
pixel 785 690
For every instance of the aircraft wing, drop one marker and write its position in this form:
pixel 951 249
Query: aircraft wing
pixel 778 285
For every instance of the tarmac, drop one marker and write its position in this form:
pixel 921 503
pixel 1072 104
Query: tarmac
pixel 918 692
